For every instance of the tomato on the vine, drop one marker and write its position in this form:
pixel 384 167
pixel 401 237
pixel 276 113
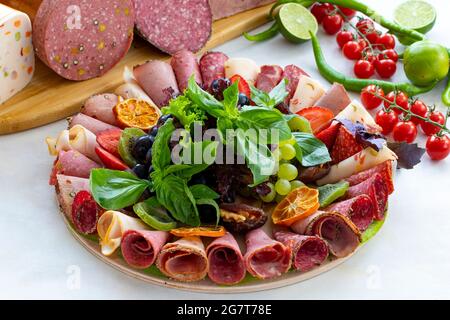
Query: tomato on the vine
pixel 347 12
pixel 386 120
pixel 332 24
pixel 386 68
pixel 343 37
pixel 321 10
pixel 418 108
pixel 386 41
pixel 352 50
pixel 369 57
pixel 373 36
pixel 363 43
pixel 401 99
pixel 388 54
pixel 428 128
pixel 364 69
pixel 365 26
pixel 405 131
pixel 372 96
pixel 438 148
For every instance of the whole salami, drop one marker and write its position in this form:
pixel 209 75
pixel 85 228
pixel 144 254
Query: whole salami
pixel 80 39
pixel 174 25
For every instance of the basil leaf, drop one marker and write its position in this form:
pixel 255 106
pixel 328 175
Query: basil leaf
pixel 204 100
pixel 231 98
pixel 279 93
pixel 264 119
pixel 201 191
pixel 313 151
pixel 160 150
pixel 212 203
pixel 224 124
pixel 153 214
pixel 272 99
pixel 261 98
pixel 114 190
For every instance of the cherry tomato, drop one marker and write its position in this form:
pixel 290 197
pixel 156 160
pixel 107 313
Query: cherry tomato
pixel 349 13
pixel 405 131
pixel 386 41
pixel 428 128
pixel 373 36
pixel 386 68
pixel 363 43
pixel 343 37
pixel 401 99
pixel 367 55
pixel 438 148
pixel 386 120
pixel 419 108
pixel 365 26
pixel 352 50
pixel 364 69
pixel 388 54
pixel 333 24
pixel 369 99
pixel 321 10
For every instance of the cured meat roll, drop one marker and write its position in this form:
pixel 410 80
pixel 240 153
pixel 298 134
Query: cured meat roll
pixel 72 163
pixel 184 260
pixel 359 209
pixel 292 73
pixel 308 252
pixel 384 169
pixel 185 65
pixel 336 99
pixel 93 125
pixel 266 258
pixel 377 190
pixel 226 263
pixel 269 78
pixel 158 80
pixel 141 248
pixel 174 25
pixel 101 106
pixel 80 39
pixel 212 67
pixel 66 187
pixel 340 233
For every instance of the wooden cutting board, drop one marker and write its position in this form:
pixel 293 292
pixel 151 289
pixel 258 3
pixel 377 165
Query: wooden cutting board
pixel 49 98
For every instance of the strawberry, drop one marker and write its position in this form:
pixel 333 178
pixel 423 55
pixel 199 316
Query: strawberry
pixel 109 160
pixel 345 145
pixel 109 140
pixel 85 212
pixel 328 136
pixel 318 117
pixel 244 88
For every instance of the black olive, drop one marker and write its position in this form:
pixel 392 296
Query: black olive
pixel 218 86
pixel 149 157
pixel 243 100
pixel 141 146
pixel 150 169
pixel 207 213
pixel 241 218
pixel 140 171
pixel 154 131
pixel 164 119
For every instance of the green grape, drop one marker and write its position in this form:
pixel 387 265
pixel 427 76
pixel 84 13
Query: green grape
pixel 270 197
pixel 296 184
pixel 277 154
pixel 287 152
pixel 287 171
pixel 290 141
pixel 283 187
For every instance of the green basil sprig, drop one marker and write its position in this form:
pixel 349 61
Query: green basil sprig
pixel 310 150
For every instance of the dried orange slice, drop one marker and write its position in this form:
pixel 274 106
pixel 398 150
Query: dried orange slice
pixel 299 204
pixel 133 113
pixel 206 231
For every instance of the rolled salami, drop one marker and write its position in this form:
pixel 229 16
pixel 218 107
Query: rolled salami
pixel 72 163
pixel 66 187
pixel 359 209
pixel 101 106
pixel 80 39
pixel 226 263
pixel 93 125
pixel 269 78
pixel 185 65
pixel 212 67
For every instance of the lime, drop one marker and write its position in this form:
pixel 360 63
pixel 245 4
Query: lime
pixel 331 192
pixel 426 63
pixel 295 22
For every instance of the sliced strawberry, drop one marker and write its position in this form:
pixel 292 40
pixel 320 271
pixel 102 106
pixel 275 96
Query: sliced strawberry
pixel 109 140
pixel 109 160
pixel 242 84
pixel 345 145
pixel 329 135
pixel 85 213
pixel 319 117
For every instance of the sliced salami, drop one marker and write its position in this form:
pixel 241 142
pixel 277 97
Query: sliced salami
pixel 269 77
pixel 345 145
pixel 266 258
pixel 174 25
pixel 93 125
pixel 140 248
pixel 185 65
pixel 359 209
pixel 308 251
pixel 85 212
pixel 376 188
pixel 101 106
pixel 72 163
pixel 226 263
pixel 212 67
pixel 384 169
pixel 292 73
pixel 336 99
pixel 81 39
pixel 66 188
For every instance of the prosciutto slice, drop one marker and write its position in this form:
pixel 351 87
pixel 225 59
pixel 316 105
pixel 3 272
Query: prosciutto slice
pixel 72 163
pixel 226 263
pixel 308 252
pixel 184 260
pixel 66 189
pixel 377 189
pixel 359 209
pixel 101 107
pixel 336 99
pixel 265 257
pixel 111 227
pixel 269 78
pixel 91 124
pixel 384 169
pixel 340 233
pixel 140 248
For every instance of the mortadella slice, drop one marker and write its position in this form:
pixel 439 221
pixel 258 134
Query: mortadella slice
pixel 308 252
pixel 385 169
pixel 140 248
pixel 93 125
pixel 66 189
pixel 266 258
pixel 184 260
pixel 101 106
pixel 336 99
pixel 269 77
pixel 226 263
pixel 72 163
pixel 185 65
pixel 158 80
pixel 212 67
pixel 359 209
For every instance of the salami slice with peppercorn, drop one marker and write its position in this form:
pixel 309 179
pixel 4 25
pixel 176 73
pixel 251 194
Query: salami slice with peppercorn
pixel 359 209
pixel 384 169
pixel 345 145
pixel 85 212
pixel 269 77
pixel 212 67
pixel 81 40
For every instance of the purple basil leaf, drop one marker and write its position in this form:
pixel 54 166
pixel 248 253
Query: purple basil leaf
pixel 363 137
pixel 409 155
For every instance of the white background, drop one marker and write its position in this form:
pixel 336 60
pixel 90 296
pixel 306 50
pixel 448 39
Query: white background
pixel 409 258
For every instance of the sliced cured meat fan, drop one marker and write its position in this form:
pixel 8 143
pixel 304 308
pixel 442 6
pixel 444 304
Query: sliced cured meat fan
pixel 384 169
pixel 359 209
pixel 345 145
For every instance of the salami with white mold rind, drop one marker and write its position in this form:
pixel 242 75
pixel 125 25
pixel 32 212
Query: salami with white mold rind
pixel 212 67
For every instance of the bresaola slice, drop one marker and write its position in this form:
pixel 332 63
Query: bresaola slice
pixel 308 252
pixel 140 248
pixel 336 99
pixel 384 169
pixel 226 263
pixel 266 258
pixel 184 260
pixel 359 209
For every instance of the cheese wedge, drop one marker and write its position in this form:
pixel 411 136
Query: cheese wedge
pixel 17 61
pixel 246 68
pixel 308 92
pixel 355 112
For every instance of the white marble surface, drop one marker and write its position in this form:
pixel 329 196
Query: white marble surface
pixel 409 258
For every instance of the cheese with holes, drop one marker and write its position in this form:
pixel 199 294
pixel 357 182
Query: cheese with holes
pixel 16 52
pixel 307 94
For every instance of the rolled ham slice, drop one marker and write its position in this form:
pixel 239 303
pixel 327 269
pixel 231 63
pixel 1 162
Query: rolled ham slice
pixel 66 189
pixel 212 67
pixel 340 233
pixel 141 248
pixel 185 65
pixel 377 190
pixel 226 263
pixel 384 169
pixel 359 209
pixel 184 260
pixel 72 163
pixel 308 252
pixel 91 124
pixel 101 106
pixel 111 227
pixel 131 89
pixel 266 258
pixel 269 78
pixel 336 99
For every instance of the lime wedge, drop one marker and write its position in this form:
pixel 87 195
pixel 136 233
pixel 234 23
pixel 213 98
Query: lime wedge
pixel 295 22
